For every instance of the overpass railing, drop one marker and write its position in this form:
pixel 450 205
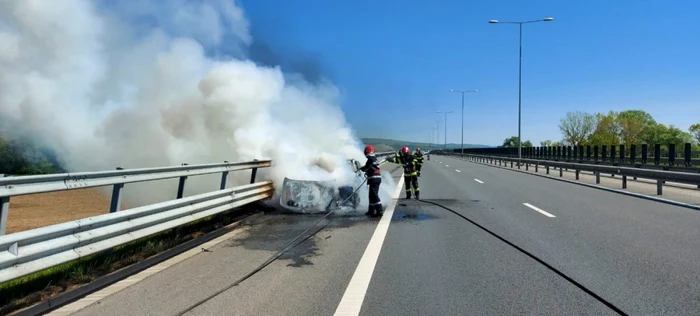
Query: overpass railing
pixel 660 176
pixel 34 250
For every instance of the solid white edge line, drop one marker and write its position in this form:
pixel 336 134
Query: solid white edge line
pixel 457 170
pixel 477 180
pixel 539 210
pixel 354 295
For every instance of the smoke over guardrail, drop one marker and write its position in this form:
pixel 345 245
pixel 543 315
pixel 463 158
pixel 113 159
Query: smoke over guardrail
pixel 102 91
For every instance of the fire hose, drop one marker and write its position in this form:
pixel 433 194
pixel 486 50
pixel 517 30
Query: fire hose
pixel 291 245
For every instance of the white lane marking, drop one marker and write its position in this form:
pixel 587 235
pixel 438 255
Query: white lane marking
pixel 440 161
pixel 447 166
pixel 477 180
pixel 539 210
pixel 116 287
pixel 351 303
pixel 457 170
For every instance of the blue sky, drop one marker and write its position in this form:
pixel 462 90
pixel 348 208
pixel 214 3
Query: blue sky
pixel 395 61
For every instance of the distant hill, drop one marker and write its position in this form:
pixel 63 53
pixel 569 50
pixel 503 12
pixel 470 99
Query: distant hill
pixel 393 144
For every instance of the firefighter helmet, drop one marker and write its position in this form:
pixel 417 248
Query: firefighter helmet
pixel 369 149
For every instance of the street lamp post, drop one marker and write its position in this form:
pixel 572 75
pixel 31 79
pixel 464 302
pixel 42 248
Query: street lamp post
pixel 445 112
pixel 437 135
pixel 520 68
pixel 437 139
pixel 463 92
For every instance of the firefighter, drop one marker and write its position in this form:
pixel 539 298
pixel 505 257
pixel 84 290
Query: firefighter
pixel 374 179
pixel 410 173
pixel 420 159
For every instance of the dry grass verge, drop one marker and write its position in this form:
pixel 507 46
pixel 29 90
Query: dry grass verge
pixel 45 209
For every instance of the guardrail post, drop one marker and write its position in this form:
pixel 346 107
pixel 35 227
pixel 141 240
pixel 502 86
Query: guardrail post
pixel 527 166
pixel 253 173
pixel 624 182
pixel 659 187
pixel 181 185
pixel 687 155
pixel 577 174
pixel 224 176
pixel 511 164
pixel 547 167
pixel 116 202
pixel 561 172
pixel 536 167
pixel 597 177
pixel 645 153
pixel 4 209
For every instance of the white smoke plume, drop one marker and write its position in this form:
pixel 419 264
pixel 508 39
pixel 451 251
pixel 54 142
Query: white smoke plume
pixel 136 84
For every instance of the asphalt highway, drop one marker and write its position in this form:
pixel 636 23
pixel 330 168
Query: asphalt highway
pixel 639 255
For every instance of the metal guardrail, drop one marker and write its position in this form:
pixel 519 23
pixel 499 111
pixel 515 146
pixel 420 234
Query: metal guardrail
pixel 24 185
pixel 34 250
pixel 660 176
pixel 27 252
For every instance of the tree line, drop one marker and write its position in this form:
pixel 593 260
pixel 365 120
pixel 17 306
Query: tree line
pixel 615 128
pixel 22 157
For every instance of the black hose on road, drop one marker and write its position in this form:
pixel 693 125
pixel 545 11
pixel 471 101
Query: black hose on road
pixel 274 257
pixel 553 269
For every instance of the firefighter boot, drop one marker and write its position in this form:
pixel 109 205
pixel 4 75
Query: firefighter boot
pixel 370 211
pixel 378 211
pixel 408 195
pixel 417 195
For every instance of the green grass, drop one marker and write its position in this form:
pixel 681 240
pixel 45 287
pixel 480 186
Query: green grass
pixel 29 290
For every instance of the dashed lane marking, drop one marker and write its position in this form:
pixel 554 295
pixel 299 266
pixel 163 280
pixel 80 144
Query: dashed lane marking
pixel 538 210
pixel 477 180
